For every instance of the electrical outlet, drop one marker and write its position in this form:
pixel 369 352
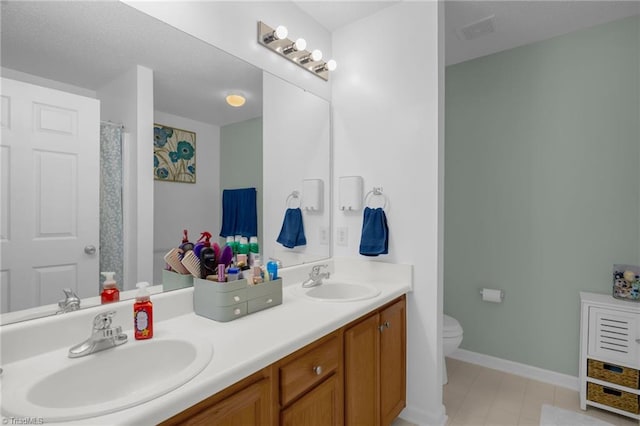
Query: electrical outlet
pixel 324 235
pixel 343 234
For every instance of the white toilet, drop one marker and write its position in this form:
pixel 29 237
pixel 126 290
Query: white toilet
pixel 451 339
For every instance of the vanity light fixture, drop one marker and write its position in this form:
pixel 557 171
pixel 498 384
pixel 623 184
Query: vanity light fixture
pixel 295 51
pixel 235 100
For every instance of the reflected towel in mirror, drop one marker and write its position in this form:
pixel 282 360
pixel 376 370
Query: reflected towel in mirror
pixel 239 213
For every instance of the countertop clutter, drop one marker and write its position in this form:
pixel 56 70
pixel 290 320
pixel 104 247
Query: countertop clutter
pixel 240 347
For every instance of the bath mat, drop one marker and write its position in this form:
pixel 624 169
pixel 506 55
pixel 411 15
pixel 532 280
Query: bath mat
pixel 554 416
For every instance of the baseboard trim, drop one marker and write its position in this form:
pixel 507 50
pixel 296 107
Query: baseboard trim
pixel 528 371
pixel 419 417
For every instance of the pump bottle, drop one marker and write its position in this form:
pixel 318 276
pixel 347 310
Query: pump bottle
pixel 110 292
pixel 143 313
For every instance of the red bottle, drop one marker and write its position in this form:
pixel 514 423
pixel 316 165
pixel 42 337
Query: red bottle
pixel 110 292
pixel 143 313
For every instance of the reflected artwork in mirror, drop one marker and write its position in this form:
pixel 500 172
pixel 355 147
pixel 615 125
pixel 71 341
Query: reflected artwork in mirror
pixel 133 70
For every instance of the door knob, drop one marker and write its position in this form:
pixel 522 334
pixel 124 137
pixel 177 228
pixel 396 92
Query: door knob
pixel 90 250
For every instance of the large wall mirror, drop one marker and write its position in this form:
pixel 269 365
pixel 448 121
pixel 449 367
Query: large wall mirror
pixel 94 54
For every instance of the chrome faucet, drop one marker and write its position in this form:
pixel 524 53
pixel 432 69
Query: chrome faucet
pixel 71 302
pixel 102 337
pixel 315 276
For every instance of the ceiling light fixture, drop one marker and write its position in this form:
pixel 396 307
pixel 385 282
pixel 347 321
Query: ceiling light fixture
pixel 295 51
pixel 235 100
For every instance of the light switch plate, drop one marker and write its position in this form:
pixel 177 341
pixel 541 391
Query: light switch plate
pixel 324 235
pixel 343 236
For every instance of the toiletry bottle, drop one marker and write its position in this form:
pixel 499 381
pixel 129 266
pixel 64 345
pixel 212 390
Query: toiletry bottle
pixel 243 253
pixel 231 243
pixel 254 251
pixel 233 273
pixel 110 292
pixel 272 270
pixel 143 313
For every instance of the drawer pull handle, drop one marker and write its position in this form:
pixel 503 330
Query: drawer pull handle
pixel 269 300
pixel 236 311
pixel 318 370
pixel 381 328
pixel 613 368
pixel 611 391
pixel 387 324
pixel 236 298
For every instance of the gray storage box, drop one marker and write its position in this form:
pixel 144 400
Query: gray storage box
pixel 228 301
pixel 174 281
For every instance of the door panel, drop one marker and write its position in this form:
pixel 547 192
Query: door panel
pixel 50 157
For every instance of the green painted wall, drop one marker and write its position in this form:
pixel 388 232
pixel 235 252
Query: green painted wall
pixel 542 188
pixel 241 159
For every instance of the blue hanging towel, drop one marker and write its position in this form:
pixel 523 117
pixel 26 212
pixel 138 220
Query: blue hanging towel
pixel 292 232
pixel 375 233
pixel 239 212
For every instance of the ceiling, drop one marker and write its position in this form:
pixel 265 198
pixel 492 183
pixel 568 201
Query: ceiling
pixel 88 44
pixel 516 23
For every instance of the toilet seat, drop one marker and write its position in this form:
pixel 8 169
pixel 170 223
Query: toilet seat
pixel 451 328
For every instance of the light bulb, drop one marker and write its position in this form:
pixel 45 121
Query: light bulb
pixel 278 34
pixel 316 55
pixel 331 65
pixel 300 44
pixel 281 32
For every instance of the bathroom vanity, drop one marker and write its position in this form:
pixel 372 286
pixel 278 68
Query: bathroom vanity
pixel 302 362
pixel 355 375
pixel 610 354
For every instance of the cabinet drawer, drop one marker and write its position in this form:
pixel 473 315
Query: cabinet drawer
pixel 624 376
pixel 613 397
pixel 308 369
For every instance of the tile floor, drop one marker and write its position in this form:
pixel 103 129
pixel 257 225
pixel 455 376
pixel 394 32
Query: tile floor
pixel 477 396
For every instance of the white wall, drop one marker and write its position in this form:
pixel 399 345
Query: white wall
pixel 195 207
pixel 386 129
pixel 129 100
pixel 232 27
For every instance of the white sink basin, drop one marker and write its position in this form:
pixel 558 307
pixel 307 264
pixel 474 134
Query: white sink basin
pixel 57 388
pixel 336 291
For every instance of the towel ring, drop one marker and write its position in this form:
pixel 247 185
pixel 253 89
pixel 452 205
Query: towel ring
pixel 375 192
pixel 295 195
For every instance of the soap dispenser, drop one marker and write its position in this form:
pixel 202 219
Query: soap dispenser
pixel 110 292
pixel 143 313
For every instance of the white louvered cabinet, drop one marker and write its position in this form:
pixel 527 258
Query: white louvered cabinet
pixel 610 354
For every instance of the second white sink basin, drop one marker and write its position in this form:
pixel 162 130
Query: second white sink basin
pixel 336 291
pixel 57 388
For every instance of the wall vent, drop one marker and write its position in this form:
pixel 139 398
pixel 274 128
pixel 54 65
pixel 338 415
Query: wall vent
pixel 477 29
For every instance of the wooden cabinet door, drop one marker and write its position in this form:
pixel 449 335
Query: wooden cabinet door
pixel 250 406
pixel 361 372
pixel 392 361
pixel 319 407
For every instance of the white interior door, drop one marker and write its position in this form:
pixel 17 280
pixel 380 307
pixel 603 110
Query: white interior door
pixel 50 159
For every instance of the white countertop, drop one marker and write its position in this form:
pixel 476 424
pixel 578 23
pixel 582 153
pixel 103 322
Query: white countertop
pixel 248 344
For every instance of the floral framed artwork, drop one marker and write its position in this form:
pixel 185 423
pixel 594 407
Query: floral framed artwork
pixel 174 154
